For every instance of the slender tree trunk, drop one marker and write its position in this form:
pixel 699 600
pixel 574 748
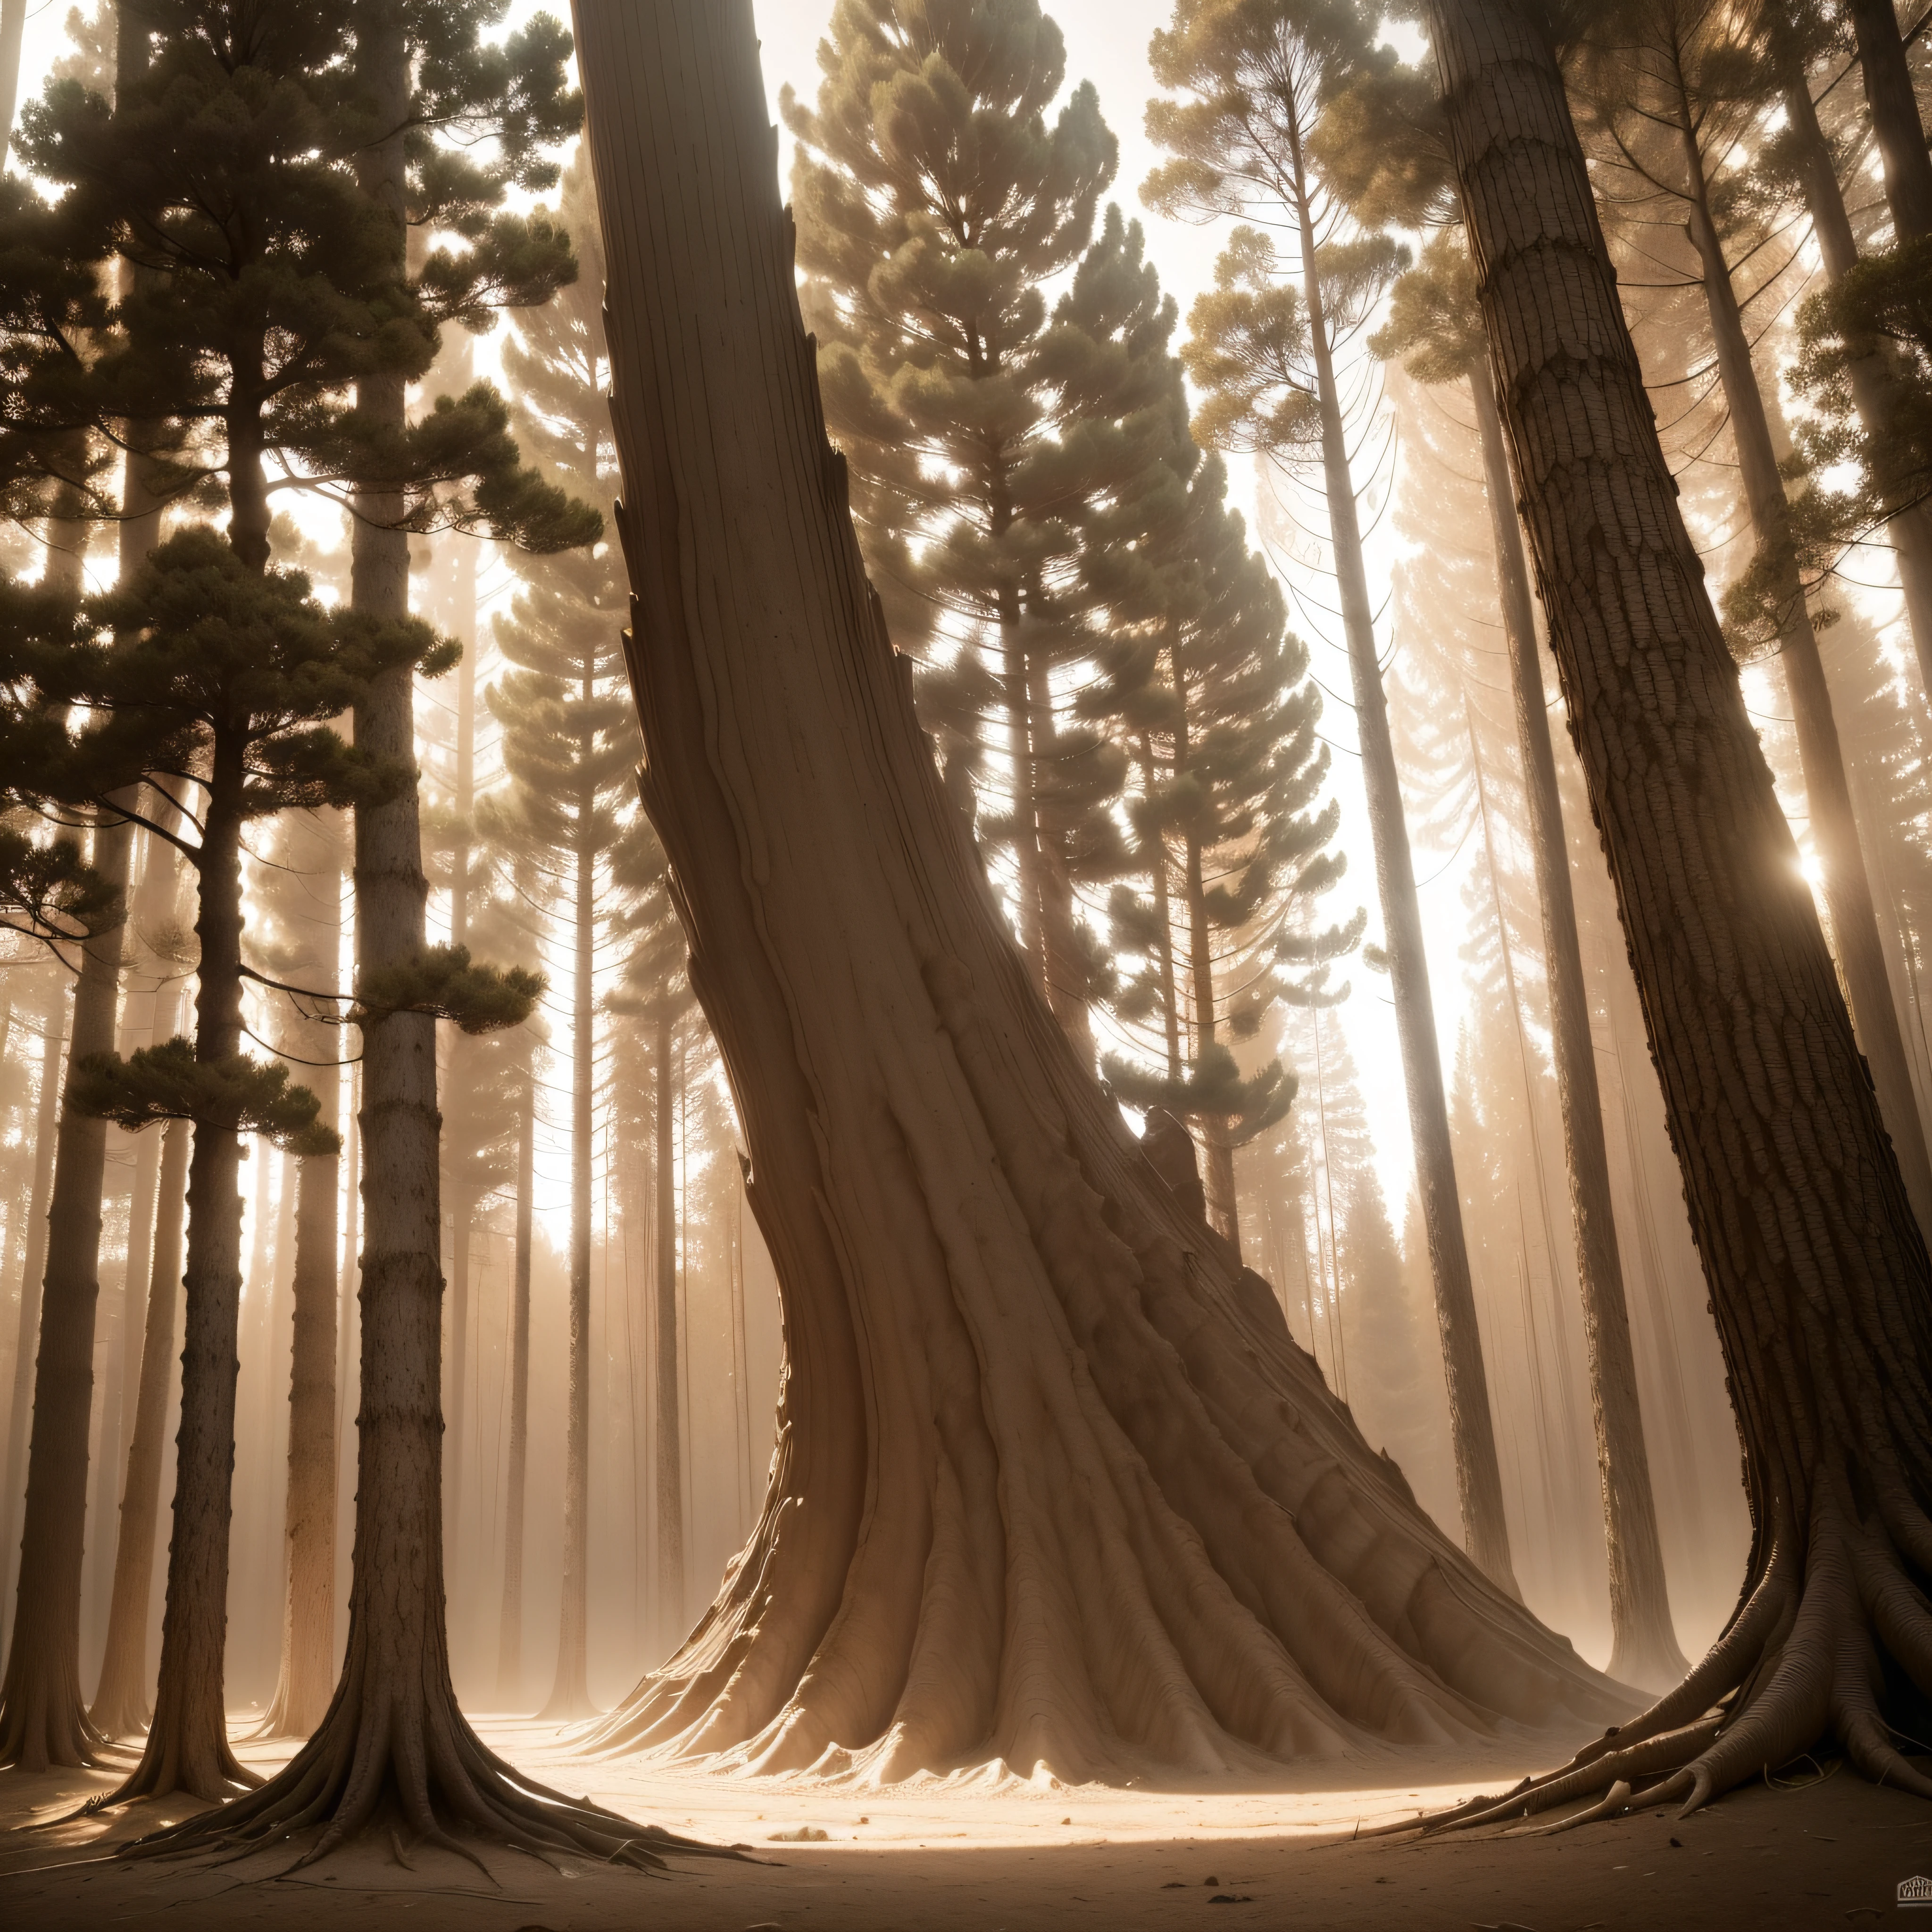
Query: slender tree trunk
pixel 1643 1646
pixel 570 1693
pixel 1223 1209
pixel 510 1641
pixel 1818 1274
pixel 393 1749
pixel 670 1428
pixel 27 1337
pixel 1847 887
pixel 1479 1480
pixel 307 1672
pixel 1893 102
pixel 463 1202
pixel 121 1705
pixel 1045 1464
pixel 1873 379
pixel 187 1747
pixel 43 1718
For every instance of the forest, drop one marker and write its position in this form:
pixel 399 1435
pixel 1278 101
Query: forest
pixel 966 952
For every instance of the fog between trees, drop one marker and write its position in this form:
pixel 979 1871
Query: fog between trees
pixel 1062 1061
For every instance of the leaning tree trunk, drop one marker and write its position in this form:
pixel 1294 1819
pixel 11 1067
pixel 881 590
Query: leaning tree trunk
pixel 670 1428
pixel 1479 1482
pixel 1643 1646
pixel 570 1689
pixel 187 1748
pixel 1874 380
pixel 394 1750
pixel 1847 885
pixel 42 1717
pixel 1053 1487
pixel 122 1706
pixel 1819 1277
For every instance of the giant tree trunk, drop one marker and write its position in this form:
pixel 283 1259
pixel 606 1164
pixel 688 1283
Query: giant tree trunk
pixel 393 1749
pixel 1818 1274
pixel 1479 1481
pixel 1847 887
pixel 26 1336
pixel 187 1747
pixel 42 1717
pixel 1643 1646
pixel 122 1706
pixel 570 1689
pixel 670 1428
pixel 1053 1487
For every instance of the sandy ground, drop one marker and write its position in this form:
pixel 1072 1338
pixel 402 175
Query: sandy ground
pixel 1012 1857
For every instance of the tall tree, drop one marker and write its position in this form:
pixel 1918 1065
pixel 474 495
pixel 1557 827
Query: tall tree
pixel 393 1735
pixel 1045 1449
pixel 937 192
pixel 1251 82
pixel 1809 1245
pixel 1229 819
pixel 1668 83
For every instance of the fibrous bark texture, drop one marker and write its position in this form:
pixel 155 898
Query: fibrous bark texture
pixel 1643 1646
pixel 1819 1277
pixel 1054 1486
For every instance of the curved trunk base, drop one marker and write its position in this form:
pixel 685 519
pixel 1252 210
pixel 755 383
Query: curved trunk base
pixel 388 1762
pixel 1802 1665
pixel 1115 1521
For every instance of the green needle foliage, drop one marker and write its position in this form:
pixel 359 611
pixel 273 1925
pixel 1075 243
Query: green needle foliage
pixel 938 190
pixel 261 284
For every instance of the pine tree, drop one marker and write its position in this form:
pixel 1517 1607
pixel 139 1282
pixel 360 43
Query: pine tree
pixel 1229 819
pixel 258 292
pixel 934 199
pixel 1251 83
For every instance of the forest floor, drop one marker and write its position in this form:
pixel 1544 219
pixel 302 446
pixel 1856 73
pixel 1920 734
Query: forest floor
pixel 1014 1857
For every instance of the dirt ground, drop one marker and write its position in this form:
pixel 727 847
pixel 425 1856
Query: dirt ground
pixel 984 1855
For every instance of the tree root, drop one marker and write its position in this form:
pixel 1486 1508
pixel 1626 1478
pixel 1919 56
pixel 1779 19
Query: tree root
pixel 1800 1661
pixel 405 1779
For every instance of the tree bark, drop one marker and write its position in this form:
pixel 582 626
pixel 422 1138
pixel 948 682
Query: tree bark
pixel 510 1639
pixel 12 32
pixel 570 1691
pixel 27 1335
pixel 1847 887
pixel 1873 379
pixel 1818 1274
pixel 1053 1487
pixel 1893 102
pixel 187 1748
pixel 42 1717
pixel 1472 1428
pixel 1643 1646
pixel 121 1704
pixel 669 1426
